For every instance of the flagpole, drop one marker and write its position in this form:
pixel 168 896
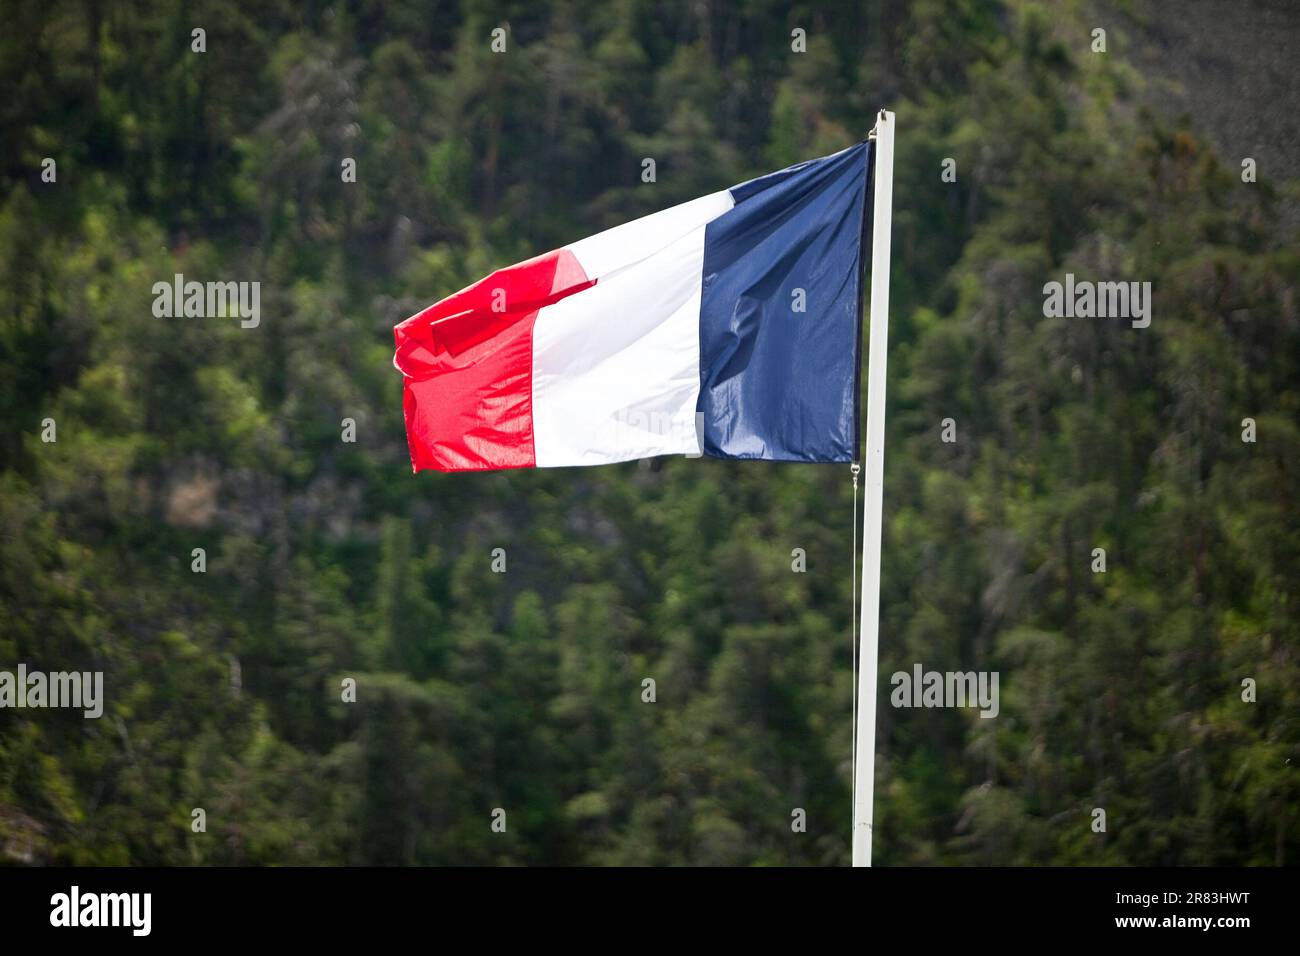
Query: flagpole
pixel 873 494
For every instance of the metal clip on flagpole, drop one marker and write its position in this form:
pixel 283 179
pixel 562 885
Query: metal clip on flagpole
pixel 864 768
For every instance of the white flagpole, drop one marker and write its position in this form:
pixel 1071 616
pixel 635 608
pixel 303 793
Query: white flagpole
pixel 873 494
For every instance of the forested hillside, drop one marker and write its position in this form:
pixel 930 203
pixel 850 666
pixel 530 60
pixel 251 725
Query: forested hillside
pixel 327 559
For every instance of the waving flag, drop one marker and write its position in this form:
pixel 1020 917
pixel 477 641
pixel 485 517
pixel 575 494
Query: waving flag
pixel 727 325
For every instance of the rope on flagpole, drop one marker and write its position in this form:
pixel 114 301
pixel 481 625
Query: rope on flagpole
pixel 853 625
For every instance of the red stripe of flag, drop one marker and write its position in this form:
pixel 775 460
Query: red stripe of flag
pixel 468 362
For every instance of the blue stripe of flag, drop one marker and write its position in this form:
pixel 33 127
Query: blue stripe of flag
pixel 776 383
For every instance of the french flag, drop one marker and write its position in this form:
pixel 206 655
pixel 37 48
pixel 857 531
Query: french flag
pixel 726 326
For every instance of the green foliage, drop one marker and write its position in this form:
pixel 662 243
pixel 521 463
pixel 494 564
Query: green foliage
pixel 476 690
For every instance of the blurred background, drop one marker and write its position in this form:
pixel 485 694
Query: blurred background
pixel 475 690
